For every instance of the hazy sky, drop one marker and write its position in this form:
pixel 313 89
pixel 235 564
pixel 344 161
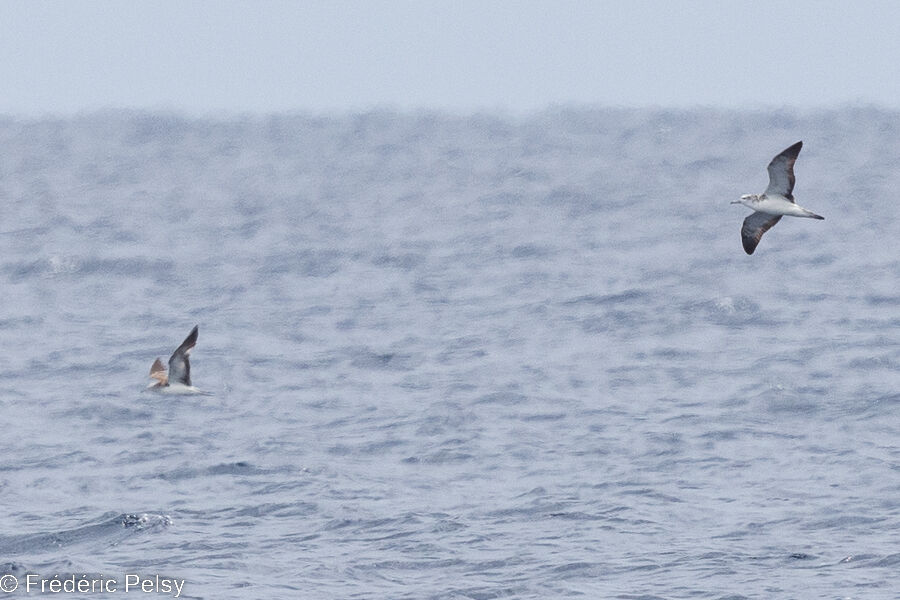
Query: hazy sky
pixel 210 56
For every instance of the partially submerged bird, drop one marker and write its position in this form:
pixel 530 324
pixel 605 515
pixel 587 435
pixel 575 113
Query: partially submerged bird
pixel 178 380
pixel 776 202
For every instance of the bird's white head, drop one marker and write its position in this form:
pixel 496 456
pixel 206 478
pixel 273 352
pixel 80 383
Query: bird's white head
pixel 747 200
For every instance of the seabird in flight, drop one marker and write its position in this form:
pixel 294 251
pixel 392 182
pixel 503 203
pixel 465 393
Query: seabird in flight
pixel 776 202
pixel 178 380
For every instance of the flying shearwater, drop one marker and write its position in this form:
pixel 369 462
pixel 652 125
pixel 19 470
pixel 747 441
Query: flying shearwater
pixel 178 381
pixel 775 202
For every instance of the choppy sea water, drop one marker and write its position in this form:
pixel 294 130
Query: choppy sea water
pixel 451 356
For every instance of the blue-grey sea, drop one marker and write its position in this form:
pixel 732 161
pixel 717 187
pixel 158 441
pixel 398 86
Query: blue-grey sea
pixel 450 356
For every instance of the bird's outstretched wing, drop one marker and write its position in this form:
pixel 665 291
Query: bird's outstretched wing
pixel 781 172
pixel 179 365
pixel 754 227
pixel 158 372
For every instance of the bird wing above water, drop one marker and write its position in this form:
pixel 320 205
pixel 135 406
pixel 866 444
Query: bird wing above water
pixel 781 173
pixel 158 372
pixel 754 227
pixel 179 365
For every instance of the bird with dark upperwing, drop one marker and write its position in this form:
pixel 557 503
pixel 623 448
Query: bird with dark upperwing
pixel 178 380
pixel 776 202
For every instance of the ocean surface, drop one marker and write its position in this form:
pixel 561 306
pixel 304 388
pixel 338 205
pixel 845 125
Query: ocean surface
pixel 450 356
